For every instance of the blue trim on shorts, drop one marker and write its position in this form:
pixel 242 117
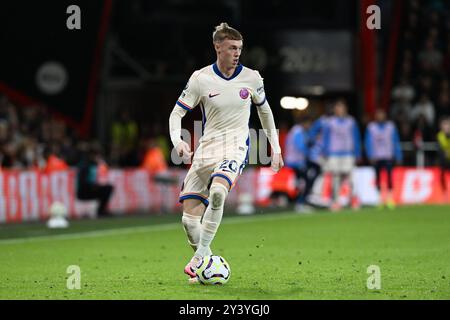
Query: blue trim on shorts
pixel 194 196
pixel 222 176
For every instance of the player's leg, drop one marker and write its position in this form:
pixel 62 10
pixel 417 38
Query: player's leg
pixel 194 196
pixel 218 192
pixel 334 170
pixel 223 177
pixel 193 210
pixel 348 165
pixel 354 199
pixel 388 166
pixel 203 234
pixel 377 167
pixel 302 176
pixel 314 171
pixel 336 185
pixel 313 183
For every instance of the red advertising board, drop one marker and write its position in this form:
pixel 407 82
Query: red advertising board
pixel 28 195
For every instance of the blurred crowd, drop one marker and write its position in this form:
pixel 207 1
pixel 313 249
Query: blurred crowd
pixel 421 94
pixel 29 134
pixel 32 138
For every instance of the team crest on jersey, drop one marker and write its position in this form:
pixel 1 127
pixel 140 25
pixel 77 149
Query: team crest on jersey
pixel 244 93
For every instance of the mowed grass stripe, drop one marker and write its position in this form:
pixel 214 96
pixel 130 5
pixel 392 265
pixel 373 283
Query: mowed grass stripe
pixel 144 229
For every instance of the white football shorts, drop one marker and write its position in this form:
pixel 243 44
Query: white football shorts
pixel 203 170
pixel 340 165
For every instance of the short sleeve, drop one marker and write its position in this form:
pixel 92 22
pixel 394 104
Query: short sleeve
pixel 190 97
pixel 258 93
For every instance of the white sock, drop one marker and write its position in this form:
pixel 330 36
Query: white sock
pixel 212 218
pixel 336 187
pixel 192 226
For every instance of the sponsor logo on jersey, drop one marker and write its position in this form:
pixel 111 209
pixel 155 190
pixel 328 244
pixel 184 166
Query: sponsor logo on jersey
pixel 260 90
pixel 244 93
pixel 213 95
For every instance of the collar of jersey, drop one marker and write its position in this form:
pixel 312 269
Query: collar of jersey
pixel 234 75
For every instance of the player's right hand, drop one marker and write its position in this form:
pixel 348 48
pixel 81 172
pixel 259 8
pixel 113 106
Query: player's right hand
pixel 277 162
pixel 184 150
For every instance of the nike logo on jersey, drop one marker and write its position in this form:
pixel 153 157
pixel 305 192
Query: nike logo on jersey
pixel 213 95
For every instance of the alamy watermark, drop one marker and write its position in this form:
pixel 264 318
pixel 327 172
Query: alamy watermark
pixel 73 22
pixel 374 280
pixel 374 20
pixel 74 279
pixel 255 148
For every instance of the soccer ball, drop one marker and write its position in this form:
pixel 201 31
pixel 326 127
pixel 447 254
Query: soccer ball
pixel 213 270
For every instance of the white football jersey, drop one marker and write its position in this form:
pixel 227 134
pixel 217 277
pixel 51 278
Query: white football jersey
pixel 225 104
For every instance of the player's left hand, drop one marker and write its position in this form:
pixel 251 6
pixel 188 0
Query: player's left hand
pixel 277 162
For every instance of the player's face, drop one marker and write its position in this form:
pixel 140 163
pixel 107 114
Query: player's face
pixel 380 116
pixel 228 52
pixel 307 125
pixel 340 109
pixel 445 126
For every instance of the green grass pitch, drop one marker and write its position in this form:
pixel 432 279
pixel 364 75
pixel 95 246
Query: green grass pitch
pixel 272 256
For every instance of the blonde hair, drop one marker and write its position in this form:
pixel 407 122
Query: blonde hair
pixel 224 32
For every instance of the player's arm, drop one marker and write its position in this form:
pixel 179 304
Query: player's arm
pixel 356 141
pixel 187 101
pixel 183 148
pixel 368 144
pixel 397 146
pixel 326 141
pixel 301 142
pixel 268 123
pixel 315 129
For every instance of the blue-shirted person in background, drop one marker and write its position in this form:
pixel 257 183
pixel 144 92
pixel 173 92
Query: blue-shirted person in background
pixel 318 126
pixel 382 145
pixel 316 152
pixel 342 149
pixel 297 157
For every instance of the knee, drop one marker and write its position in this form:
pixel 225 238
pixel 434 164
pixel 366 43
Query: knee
pixel 217 195
pixel 190 220
pixel 193 207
